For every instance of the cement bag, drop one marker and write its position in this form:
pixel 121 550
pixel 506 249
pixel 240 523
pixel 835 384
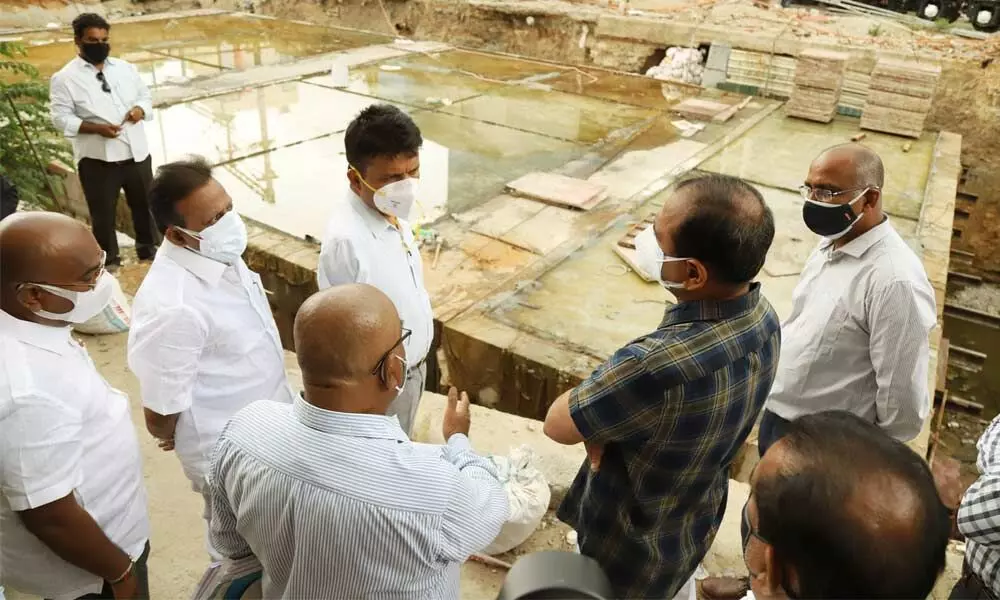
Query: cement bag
pixel 115 318
pixel 528 494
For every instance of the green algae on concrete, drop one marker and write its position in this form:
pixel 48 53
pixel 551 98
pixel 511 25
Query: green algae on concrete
pixel 790 145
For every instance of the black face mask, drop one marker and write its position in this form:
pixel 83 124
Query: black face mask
pixel 830 220
pixel 95 53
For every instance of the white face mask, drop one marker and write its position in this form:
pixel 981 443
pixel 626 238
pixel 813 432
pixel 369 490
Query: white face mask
pixel 650 258
pixel 406 372
pixel 86 305
pixel 223 241
pixel 397 198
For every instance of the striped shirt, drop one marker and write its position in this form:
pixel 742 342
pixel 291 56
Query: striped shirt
pixel 857 336
pixel 979 513
pixel 671 410
pixel 338 505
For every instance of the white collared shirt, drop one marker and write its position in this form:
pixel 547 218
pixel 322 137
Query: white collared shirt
pixel 361 246
pixel 857 336
pixel 76 96
pixel 340 505
pixel 203 344
pixel 65 431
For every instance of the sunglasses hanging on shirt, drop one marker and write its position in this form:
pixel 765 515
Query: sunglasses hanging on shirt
pixel 104 82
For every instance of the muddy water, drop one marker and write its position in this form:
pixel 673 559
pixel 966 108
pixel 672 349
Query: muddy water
pixel 982 387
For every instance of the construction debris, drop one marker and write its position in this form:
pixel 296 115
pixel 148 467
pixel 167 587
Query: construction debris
pixel 819 77
pixel 899 97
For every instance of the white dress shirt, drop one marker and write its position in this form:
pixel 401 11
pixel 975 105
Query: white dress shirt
pixel 203 344
pixel 857 336
pixel 66 431
pixel 338 505
pixel 361 246
pixel 76 96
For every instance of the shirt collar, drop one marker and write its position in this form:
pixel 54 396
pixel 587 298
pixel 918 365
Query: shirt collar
pixel 348 424
pixel 208 270
pixel 711 310
pixel 859 245
pixel 53 339
pixel 79 63
pixel 375 221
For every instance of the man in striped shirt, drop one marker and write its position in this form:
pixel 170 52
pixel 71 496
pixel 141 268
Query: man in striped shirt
pixel 979 522
pixel 329 493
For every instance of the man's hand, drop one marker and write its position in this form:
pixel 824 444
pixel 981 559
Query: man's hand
pixel 456 415
pixel 108 131
pixel 126 588
pixel 594 455
pixel 135 115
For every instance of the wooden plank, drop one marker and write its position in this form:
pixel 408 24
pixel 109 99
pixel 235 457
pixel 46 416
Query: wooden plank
pixel 727 114
pixel 942 366
pixel 966 405
pixel 545 231
pixel 703 110
pixel 559 190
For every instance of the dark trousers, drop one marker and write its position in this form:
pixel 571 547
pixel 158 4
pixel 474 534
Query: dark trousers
pixel 8 197
pixel 772 429
pixel 970 587
pixel 102 182
pixel 139 571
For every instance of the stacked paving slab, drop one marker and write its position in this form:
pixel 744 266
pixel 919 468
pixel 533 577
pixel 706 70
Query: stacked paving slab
pixel 899 97
pixel 819 77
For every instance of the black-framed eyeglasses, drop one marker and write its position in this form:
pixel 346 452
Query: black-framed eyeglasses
pixel 381 361
pixel 104 82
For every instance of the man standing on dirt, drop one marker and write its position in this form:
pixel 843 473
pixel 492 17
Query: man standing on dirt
pixel 73 510
pixel 100 103
pixel 665 416
pixel 857 336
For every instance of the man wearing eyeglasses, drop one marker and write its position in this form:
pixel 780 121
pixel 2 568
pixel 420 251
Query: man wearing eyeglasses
pixel 837 509
pixel 100 103
pixel 329 494
pixel 72 500
pixel 857 336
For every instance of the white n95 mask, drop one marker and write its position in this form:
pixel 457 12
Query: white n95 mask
pixel 223 241
pixel 650 258
pixel 397 198
pixel 86 305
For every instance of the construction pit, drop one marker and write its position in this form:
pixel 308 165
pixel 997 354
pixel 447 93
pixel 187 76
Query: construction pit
pixel 528 297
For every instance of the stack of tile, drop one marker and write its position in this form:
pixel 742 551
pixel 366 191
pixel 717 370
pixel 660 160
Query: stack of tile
pixel 899 97
pixel 819 76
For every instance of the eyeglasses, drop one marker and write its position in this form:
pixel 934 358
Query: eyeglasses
pixel 104 82
pixel 381 361
pixel 748 530
pixel 820 195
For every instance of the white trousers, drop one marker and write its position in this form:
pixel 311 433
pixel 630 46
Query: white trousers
pixel 404 407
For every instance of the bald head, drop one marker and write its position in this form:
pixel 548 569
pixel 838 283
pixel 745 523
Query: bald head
pixel 860 165
pixel 853 512
pixel 342 332
pixel 44 247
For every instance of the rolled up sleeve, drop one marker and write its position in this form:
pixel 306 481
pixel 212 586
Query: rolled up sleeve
pixel 163 352
pixel 144 99
pixel 41 451
pixel 479 508
pixel 62 109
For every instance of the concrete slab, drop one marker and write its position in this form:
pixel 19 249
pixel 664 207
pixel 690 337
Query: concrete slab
pixel 792 144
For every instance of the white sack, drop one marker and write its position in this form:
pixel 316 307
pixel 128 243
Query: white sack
pixel 528 494
pixel 115 318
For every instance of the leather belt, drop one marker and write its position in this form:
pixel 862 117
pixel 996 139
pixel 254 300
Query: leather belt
pixel 974 585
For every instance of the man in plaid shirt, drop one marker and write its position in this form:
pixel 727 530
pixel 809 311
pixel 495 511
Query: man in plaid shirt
pixel 979 522
pixel 665 416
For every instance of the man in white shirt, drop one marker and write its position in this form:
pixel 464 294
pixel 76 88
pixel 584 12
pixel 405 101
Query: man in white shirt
pixel 203 342
pixel 857 336
pixel 369 239
pixel 100 103
pixel 838 509
pixel 329 494
pixel 72 501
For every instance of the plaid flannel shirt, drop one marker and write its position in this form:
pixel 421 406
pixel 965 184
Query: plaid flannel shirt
pixel 979 513
pixel 671 410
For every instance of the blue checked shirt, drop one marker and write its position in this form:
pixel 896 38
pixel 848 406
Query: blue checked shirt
pixel 671 410
pixel 979 513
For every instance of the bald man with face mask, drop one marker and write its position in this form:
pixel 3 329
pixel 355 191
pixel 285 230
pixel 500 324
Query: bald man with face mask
pixel 72 502
pixel 329 493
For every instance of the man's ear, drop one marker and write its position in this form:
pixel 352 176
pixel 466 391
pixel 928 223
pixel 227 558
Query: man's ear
pixel 872 197
pixel 355 180
pixel 30 297
pixel 773 575
pixel 697 274
pixel 176 236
